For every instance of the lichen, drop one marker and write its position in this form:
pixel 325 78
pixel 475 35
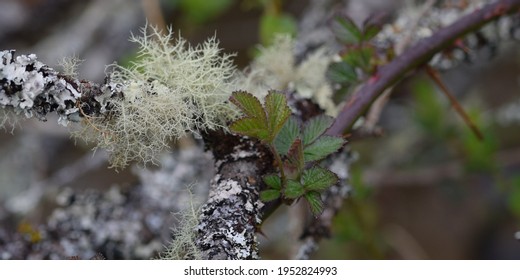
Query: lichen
pixel 276 68
pixel 70 65
pixel 173 89
pixel 31 88
pixel 183 244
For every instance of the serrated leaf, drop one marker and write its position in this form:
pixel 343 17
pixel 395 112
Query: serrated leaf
pixel 293 189
pixel 249 105
pixel 315 202
pixel 289 132
pixel 273 181
pixel 347 31
pixel 315 127
pixel 250 127
pixel 269 195
pixel 370 31
pixel 318 179
pixel 277 112
pixel 372 26
pixel 322 147
pixel 342 73
pixel 294 163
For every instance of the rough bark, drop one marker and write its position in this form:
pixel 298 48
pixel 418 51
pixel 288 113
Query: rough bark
pixel 233 213
pixel 29 87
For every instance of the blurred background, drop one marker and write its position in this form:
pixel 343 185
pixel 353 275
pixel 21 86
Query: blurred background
pixel 426 188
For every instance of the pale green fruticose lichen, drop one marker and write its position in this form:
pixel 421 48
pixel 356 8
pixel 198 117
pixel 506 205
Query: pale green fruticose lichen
pixel 70 65
pixel 183 245
pixel 275 68
pixel 173 89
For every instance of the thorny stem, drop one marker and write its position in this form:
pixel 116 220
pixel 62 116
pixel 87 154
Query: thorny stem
pixel 377 108
pixel 415 56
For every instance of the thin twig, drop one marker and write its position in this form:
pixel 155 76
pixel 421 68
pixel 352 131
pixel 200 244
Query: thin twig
pixel 152 11
pixel 456 105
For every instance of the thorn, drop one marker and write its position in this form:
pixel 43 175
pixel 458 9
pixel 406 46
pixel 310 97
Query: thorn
pixel 456 105
pixel 259 231
pixel 460 44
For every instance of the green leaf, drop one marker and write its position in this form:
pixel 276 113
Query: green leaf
pixel 248 104
pixel 315 127
pixel 322 147
pixel 269 195
pixel 367 53
pixel 295 163
pixel 277 112
pixel 371 27
pixel 273 181
pixel 342 73
pixel 318 179
pixel 347 31
pixel 289 132
pixel 255 123
pixel 359 57
pixel 271 25
pixel 250 127
pixel 315 202
pixel 293 189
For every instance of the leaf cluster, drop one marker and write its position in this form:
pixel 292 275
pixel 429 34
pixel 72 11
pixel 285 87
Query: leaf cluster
pixel 259 122
pixel 359 58
pixel 295 147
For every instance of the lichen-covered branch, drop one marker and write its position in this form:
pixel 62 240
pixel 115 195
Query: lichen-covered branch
pixel 232 215
pixel 120 222
pixel 30 87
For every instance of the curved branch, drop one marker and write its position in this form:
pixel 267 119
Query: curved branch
pixel 414 57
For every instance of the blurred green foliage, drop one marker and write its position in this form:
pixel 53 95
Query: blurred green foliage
pixel 440 123
pixel 429 112
pixel 513 197
pixel 201 11
pixel 273 24
pixel 356 229
pixel 273 20
pixel 479 155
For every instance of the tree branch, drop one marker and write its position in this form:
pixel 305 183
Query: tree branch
pixel 30 87
pixel 233 213
pixel 414 57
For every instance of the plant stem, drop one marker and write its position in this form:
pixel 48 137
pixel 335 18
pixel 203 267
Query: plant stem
pixel 279 162
pixel 415 56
